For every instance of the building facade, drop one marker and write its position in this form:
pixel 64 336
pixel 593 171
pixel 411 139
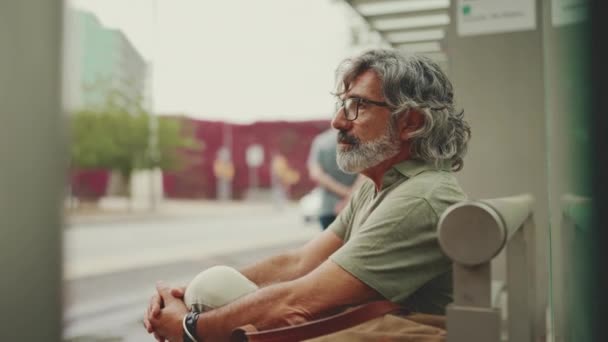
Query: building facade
pixel 103 62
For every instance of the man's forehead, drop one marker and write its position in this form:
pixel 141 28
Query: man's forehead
pixel 366 85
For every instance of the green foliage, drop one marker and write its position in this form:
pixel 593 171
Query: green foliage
pixel 175 139
pixel 116 136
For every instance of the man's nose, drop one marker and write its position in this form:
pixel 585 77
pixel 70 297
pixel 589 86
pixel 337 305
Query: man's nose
pixel 339 121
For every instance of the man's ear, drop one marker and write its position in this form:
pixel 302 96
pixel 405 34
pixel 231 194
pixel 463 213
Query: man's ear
pixel 410 122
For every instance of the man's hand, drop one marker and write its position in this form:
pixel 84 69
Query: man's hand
pixel 167 324
pixel 155 305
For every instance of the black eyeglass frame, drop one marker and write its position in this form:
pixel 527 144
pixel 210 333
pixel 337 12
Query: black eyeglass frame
pixel 341 104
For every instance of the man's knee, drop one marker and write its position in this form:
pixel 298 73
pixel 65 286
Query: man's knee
pixel 215 287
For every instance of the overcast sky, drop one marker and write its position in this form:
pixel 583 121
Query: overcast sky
pixel 236 60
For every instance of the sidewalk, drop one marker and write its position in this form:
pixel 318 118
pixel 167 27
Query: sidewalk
pixel 117 209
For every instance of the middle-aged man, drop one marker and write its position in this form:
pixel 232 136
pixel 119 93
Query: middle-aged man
pixel 397 126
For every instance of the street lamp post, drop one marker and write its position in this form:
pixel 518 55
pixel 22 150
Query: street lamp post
pixel 254 158
pixel 153 151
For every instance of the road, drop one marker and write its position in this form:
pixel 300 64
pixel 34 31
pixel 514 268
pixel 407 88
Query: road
pixel 111 266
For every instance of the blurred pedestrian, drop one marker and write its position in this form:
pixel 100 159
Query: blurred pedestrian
pixel 323 169
pixel 278 167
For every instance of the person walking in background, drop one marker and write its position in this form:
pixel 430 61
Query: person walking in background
pixel 335 184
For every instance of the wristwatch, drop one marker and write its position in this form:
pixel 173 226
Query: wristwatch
pixel 189 325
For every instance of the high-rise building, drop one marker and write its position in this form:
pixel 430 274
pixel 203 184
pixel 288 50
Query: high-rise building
pixel 101 60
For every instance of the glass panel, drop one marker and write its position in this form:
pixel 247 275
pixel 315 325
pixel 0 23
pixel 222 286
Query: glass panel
pixel 568 113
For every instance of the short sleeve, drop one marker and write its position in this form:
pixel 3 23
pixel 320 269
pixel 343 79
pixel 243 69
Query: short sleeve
pixel 396 250
pixel 342 225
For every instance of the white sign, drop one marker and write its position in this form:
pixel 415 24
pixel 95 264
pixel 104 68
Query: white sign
pixel 495 16
pixel 255 155
pixel 564 12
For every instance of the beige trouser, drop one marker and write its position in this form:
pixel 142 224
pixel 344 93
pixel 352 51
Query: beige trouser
pixel 393 328
pixel 215 287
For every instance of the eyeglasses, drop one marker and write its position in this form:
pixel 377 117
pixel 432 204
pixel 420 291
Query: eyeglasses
pixel 351 106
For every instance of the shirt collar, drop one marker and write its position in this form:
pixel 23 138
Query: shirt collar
pixel 412 167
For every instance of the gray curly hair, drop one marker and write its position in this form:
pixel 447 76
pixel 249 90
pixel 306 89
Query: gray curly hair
pixel 413 82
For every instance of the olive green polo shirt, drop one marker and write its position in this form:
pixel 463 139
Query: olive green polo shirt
pixel 390 236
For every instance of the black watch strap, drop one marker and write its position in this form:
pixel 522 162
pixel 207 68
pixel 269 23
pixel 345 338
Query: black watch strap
pixel 190 327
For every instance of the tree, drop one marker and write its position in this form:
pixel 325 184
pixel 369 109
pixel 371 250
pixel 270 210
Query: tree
pixel 116 136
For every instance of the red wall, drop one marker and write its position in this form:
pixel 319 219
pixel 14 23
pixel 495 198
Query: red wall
pixel 89 184
pixel 291 139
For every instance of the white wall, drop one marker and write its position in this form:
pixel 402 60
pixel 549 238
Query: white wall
pixel 499 82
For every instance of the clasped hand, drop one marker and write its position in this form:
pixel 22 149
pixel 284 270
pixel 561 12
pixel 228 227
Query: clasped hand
pixel 165 312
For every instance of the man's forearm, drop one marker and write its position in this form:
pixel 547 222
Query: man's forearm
pixel 294 263
pixel 270 307
pixel 323 179
pixel 275 269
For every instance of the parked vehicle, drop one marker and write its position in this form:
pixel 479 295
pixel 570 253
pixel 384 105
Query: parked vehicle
pixel 310 205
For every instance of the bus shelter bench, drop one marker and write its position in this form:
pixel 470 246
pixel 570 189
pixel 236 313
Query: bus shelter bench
pixel 472 234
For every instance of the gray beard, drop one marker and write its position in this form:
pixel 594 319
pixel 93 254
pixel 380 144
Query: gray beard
pixel 359 157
